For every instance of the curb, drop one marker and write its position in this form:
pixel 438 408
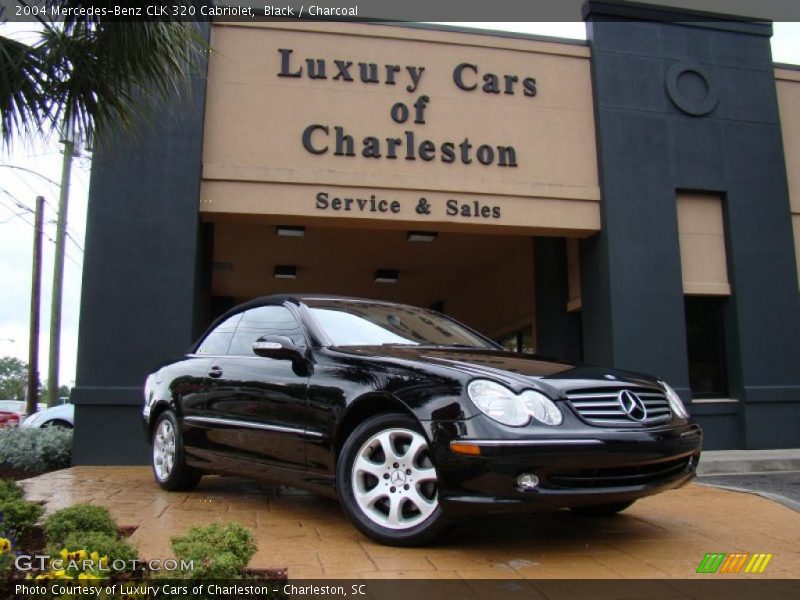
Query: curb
pixel 753 461
pixel 787 502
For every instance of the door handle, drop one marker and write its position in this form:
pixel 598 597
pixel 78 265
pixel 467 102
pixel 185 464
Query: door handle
pixel 215 372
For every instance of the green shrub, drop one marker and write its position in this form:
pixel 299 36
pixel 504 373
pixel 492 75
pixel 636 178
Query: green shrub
pixel 96 541
pixel 78 519
pixel 17 516
pixel 9 490
pixel 35 450
pixel 218 552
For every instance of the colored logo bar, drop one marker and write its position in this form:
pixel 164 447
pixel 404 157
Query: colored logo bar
pixel 737 562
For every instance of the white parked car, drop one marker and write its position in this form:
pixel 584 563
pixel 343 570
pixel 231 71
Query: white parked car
pixel 62 415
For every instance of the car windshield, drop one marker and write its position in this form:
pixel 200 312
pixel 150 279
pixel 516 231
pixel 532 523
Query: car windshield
pixel 12 405
pixel 364 323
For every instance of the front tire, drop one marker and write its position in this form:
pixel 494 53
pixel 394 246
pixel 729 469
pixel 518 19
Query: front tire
pixel 387 482
pixel 602 510
pixel 167 457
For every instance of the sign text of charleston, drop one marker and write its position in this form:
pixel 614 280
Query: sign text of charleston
pixel 317 138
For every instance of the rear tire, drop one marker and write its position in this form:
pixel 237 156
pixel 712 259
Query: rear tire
pixel 57 423
pixel 387 482
pixel 601 510
pixel 167 456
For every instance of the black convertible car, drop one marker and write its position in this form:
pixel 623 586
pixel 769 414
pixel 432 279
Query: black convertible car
pixel 410 418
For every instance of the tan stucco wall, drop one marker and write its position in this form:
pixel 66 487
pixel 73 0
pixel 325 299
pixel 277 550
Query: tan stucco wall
pixel 787 82
pixel 507 287
pixel 254 161
pixel 701 232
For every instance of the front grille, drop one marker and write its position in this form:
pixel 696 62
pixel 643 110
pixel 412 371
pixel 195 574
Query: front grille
pixel 602 406
pixel 620 476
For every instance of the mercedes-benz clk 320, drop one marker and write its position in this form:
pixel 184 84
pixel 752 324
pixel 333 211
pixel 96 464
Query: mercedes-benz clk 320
pixel 410 418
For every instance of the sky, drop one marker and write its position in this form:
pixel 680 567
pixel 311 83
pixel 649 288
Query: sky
pixel 19 188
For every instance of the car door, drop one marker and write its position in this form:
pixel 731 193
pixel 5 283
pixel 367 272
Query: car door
pixel 257 405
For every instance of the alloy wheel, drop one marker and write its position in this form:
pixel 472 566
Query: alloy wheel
pixel 394 480
pixel 164 450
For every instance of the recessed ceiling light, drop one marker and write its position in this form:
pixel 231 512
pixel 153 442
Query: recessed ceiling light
pixel 385 276
pixel 421 236
pixel 285 272
pixel 290 230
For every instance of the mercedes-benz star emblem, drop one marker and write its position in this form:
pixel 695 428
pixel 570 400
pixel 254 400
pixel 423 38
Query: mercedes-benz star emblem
pixel 632 405
pixel 398 478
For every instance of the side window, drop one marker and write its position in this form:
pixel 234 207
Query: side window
pixel 217 342
pixel 265 320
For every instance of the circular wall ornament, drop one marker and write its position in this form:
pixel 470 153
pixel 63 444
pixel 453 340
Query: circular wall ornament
pixel 691 88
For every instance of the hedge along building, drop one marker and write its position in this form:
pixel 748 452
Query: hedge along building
pixel 622 202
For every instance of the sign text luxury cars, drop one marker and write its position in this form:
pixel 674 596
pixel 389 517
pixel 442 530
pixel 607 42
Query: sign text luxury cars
pixel 324 138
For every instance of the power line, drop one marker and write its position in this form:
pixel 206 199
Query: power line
pixel 74 241
pixel 30 187
pixel 11 218
pixel 21 215
pixel 31 171
pixel 69 233
pixel 18 205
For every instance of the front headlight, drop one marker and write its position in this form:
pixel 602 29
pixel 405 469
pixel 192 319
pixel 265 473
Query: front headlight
pixel 675 402
pixel 504 406
pixel 542 408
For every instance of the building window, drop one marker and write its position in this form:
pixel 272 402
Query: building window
pixel 705 336
pixel 519 341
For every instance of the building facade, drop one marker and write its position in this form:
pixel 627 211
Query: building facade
pixel 631 201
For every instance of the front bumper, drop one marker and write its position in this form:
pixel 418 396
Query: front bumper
pixel 584 467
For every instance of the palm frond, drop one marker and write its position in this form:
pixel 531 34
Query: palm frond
pixel 94 74
pixel 24 107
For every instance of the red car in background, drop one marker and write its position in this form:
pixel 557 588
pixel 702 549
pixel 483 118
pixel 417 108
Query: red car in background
pixel 12 412
pixel 9 419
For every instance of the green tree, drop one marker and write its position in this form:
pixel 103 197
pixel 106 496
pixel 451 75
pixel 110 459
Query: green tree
pixel 92 74
pixel 13 378
pixel 63 392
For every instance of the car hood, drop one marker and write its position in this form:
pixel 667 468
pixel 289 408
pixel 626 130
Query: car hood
pixel 513 369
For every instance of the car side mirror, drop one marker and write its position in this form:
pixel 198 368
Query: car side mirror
pixel 278 347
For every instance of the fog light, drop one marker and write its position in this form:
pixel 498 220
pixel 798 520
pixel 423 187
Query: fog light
pixel 527 482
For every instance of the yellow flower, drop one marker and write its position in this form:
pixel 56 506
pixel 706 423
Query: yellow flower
pixel 61 574
pixel 89 576
pixel 77 555
pixel 5 545
pixel 95 556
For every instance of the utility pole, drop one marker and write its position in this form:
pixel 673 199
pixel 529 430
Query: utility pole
pixel 68 139
pixel 36 301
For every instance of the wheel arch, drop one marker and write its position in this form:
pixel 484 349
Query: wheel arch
pixel 158 409
pixel 364 407
pixel 58 423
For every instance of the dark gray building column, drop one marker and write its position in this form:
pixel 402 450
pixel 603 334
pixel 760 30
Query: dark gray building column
pixel 558 332
pixel 687 101
pixel 144 275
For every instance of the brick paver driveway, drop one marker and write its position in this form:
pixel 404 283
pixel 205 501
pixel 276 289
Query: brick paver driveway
pixel 665 536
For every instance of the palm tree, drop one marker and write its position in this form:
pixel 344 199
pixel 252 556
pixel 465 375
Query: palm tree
pixel 89 74
pixel 86 75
